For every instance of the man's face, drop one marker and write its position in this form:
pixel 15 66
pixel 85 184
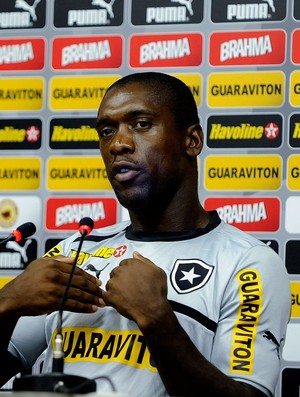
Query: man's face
pixel 141 146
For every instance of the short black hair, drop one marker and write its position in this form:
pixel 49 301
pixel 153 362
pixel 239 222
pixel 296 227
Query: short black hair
pixel 169 91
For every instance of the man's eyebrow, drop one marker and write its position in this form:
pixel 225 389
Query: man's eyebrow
pixel 131 114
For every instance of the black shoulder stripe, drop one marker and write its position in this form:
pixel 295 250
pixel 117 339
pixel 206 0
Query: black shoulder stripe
pixel 194 314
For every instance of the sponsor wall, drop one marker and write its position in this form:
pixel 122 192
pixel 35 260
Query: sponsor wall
pixel 239 58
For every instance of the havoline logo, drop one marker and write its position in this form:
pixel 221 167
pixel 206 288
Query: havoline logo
pixel 244 131
pixel 294 131
pixel 73 133
pixel 20 134
pixel 155 12
pixel 248 11
pixel 22 14
pixel 83 13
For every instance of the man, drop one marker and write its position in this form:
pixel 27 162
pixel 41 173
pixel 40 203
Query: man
pixel 188 306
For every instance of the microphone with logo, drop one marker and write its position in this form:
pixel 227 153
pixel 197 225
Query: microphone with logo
pixel 20 233
pixel 56 381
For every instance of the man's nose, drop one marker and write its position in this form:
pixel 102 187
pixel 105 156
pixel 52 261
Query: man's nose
pixel 122 141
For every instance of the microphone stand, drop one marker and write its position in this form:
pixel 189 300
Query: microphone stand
pixel 57 381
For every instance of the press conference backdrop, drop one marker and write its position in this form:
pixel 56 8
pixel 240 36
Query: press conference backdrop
pixel 239 58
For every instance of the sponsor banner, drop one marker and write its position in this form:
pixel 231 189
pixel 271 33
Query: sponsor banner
pixel 272 244
pixel 248 11
pixel 290 376
pixel 78 92
pixel 244 131
pixel 4 281
pixel 87 52
pixel 17 256
pixel 22 93
pixel 251 172
pixel 259 214
pixel 158 12
pixel 77 173
pixel 294 131
pixel 291 349
pixel 22 14
pixel 293 172
pixel 64 213
pixel 239 89
pixel 73 133
pixel 295 88
pixel 16 210
pixel 20 173
pixel 50 243
pixel 194 82
pixel 20 134
pixel 292 257
pixel 292 214
pixel 296 9
pixel 295 46
pixel 259 47
pixel 22 54
pixel 88 13
pixel 165 50
pixel 295 288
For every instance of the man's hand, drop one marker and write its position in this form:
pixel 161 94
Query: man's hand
pixel 137 289
pixel 40 288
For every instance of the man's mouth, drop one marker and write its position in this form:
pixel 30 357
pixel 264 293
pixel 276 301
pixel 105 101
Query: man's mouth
pixel 124 171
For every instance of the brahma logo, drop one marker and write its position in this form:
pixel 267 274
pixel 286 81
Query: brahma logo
pixel 94 52
pixel 73 13
pixel 166 50
pixel 250 11
pixel 22 54
pixel 259 214
pixel 22 14
pixel 247 48
pixel 236 131
pixel 147 12
pixel 65 213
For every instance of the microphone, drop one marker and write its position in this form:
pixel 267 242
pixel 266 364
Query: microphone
pixel 20 233
pixel 56 381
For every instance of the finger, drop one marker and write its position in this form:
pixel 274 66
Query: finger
pixel 137 255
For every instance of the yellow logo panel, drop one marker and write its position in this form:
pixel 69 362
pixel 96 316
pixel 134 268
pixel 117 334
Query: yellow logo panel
pixel 78 92
pixel 253 89
pixel 295 289
pixel 194 82
pixel 252 172
pixel 20 173
pixel 77 173
pixel 293 172
pixel 5 280
pixel 21 94
pixel 295 88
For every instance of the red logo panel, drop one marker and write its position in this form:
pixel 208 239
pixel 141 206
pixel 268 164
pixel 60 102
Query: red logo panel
pixel 265 47
pixel 166 50
pixel 22 54
pixel 65 213
pixel 296 47
pixel 87 52
pixel 251 214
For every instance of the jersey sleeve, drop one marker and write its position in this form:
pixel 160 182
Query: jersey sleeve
pixel 253 320
pixel 28 340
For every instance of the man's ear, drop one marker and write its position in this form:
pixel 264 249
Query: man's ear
pixel 194 140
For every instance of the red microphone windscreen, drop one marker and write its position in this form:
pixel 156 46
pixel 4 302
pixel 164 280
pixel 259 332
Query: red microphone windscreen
pixel 23 231
pixel 86 225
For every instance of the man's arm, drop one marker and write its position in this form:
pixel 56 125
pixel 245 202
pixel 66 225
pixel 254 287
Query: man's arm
pixel 39 290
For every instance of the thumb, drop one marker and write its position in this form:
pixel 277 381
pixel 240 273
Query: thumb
pixel 137 255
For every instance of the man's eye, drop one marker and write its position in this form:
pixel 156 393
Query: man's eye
pixel 143 124
pixel 105 132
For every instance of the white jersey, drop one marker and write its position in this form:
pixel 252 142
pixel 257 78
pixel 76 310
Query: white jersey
pixel 229 291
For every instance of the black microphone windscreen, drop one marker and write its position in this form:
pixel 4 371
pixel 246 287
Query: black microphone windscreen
pixel 87 221
pixel 26 229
